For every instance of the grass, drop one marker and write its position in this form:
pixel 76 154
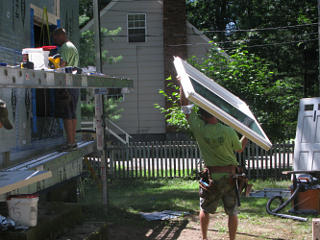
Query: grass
pixel 133 196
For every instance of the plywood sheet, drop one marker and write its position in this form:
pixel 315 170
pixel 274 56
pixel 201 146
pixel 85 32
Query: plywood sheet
pixel 11 180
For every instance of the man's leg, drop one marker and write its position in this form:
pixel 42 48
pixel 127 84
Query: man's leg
pixel 68 127
pixel 204 223
pixel 233 225
pixel 74 128
pixel 74 96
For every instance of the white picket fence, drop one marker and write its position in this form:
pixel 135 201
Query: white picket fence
pixel 172 159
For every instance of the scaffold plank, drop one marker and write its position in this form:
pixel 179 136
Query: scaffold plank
pixel 28 78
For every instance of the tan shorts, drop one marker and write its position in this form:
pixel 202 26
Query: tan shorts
pixel 225 191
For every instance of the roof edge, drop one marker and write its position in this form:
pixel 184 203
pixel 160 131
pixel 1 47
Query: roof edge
pixel 205 38
pixel 102 13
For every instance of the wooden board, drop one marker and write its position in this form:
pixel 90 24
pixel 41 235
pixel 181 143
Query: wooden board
pixel 11 180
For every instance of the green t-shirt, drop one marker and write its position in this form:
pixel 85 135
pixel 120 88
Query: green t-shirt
pixel 217 142
pixel 69 54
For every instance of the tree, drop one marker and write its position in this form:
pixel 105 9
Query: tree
pixel 210 15
pixel 283 32
pixel 112 111
pixel 87 47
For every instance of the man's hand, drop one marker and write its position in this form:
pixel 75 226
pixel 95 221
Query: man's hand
pixel 244 141
pixel 183 100
pixel 63 63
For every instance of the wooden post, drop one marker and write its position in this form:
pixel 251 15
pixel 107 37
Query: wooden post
pixel 316 229
pixel 319 45
pixel 6 159
pixel 99 105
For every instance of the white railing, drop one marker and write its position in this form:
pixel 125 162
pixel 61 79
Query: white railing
pixel 111 127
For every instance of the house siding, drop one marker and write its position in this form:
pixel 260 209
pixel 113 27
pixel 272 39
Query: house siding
pixel 142 62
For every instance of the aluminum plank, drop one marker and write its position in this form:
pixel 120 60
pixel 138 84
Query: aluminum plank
pixel 28 78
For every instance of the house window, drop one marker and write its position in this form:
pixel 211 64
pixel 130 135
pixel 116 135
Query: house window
pixel 136 27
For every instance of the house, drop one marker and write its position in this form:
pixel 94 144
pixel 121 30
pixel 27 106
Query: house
pixel 152 32
pixel 30 148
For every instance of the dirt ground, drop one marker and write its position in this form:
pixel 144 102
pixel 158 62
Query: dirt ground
pixel 187 228
pixel 122 225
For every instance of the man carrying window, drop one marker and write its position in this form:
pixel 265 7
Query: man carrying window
pixel 218 144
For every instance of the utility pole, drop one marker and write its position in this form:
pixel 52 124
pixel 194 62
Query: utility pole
pixel 99 105
pixel 319 46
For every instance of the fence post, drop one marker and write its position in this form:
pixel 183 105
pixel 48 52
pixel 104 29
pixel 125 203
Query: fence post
pixel 249 158
pixel 183 156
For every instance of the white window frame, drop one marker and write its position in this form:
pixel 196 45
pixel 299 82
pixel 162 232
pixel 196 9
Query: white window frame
pixel 145 26
pixel 185 71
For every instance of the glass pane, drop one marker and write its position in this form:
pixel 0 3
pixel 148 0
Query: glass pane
pixel 140 17
pixel 308 107
pixel 130 24
pixel 225 106
pixel 131 17
pixel 136 35
pixel 140 24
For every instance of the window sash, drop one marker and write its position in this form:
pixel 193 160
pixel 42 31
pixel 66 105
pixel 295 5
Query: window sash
pixel 221 103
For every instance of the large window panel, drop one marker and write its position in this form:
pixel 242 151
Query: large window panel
pixel 221 103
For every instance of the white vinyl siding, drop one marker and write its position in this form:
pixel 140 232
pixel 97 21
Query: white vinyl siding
pixel 141 61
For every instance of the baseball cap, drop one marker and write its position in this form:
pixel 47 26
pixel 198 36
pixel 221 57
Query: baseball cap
pixel 4 115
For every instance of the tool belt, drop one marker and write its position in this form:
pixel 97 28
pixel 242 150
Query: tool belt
pixel 206 183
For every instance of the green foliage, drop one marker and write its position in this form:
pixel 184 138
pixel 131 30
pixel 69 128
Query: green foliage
pixel 87 110
pixel 112 110
pixel 272 30
pixel 173 114
pixel 87 47
pixel 83 19
pixel 210 16
pixel 273 99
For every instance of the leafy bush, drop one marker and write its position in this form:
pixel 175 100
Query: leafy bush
pixel 173 114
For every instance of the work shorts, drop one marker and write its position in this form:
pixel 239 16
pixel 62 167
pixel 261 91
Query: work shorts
pixel 66 105
pixel 222 189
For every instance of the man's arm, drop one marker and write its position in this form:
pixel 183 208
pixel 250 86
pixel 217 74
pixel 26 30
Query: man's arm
pixel 183 100
pixel 63 63
pixel 244 142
